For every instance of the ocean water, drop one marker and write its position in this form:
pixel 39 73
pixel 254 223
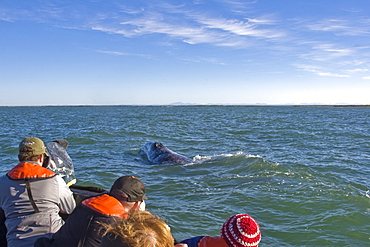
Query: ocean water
pixel 302 172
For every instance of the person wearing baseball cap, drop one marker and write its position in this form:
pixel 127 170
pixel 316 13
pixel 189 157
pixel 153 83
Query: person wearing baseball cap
pixel 33 211
pixel 239 230
pixel 83 226
pixel 128 189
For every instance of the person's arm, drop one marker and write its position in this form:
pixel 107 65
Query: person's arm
pixel 66 201
pixel 3 231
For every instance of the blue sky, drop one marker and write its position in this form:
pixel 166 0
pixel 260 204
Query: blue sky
pixel 103 52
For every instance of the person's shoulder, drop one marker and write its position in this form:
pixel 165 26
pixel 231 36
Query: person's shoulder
pixel 3 177
pixel 62 184
pixel 60 180
pixel 105 205
pixel 213 241
pixel 192 241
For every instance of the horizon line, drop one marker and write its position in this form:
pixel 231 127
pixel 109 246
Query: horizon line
pixel 196 104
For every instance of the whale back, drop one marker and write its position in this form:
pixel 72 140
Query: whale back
pixel 157 153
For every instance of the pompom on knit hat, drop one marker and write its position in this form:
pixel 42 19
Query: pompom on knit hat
pixel 241 230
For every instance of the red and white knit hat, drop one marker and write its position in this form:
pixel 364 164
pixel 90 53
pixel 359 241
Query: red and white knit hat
pixel 241 230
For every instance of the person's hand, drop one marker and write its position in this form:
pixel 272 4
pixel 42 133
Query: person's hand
pixel 181 245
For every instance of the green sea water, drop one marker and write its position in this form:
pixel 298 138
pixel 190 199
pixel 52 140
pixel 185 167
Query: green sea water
pixel 302 172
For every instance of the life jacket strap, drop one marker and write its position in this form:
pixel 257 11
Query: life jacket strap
pixel 28 186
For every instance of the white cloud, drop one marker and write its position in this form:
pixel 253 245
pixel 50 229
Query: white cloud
pixel 330 51
pixel 117 53
pixel 357 70
pixel 331 74
pixel 343 26
pixel 309 68
pixel 187 33
pixel 329 55
pixel 204 60
pixel 238 6
pixel 193 28
pixel 111 30
pixel 319 71
pixel 261 21
pixel 239 27
pixel 366 77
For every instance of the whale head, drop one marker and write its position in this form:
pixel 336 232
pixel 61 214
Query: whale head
pixel 157 153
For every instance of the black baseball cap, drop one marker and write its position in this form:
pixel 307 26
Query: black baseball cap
pixel 128 188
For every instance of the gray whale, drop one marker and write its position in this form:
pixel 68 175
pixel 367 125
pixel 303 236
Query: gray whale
pixel 157 153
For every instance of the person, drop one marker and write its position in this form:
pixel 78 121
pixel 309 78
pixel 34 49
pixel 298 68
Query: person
pixel 32 196
pixel 141 229
pixel 83 226
pixel 238 231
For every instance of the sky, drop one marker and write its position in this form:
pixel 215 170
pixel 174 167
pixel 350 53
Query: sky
pixel 158 52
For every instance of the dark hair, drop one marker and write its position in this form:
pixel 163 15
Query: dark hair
pixel 27 157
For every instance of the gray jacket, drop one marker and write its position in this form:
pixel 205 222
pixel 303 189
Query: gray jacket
pixel 32 211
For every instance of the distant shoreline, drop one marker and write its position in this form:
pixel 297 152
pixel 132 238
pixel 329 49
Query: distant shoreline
pixel 197 105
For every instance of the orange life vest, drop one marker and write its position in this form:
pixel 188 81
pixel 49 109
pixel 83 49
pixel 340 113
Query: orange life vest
pixel 107 205
pixel 29 170
pixel 208 241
